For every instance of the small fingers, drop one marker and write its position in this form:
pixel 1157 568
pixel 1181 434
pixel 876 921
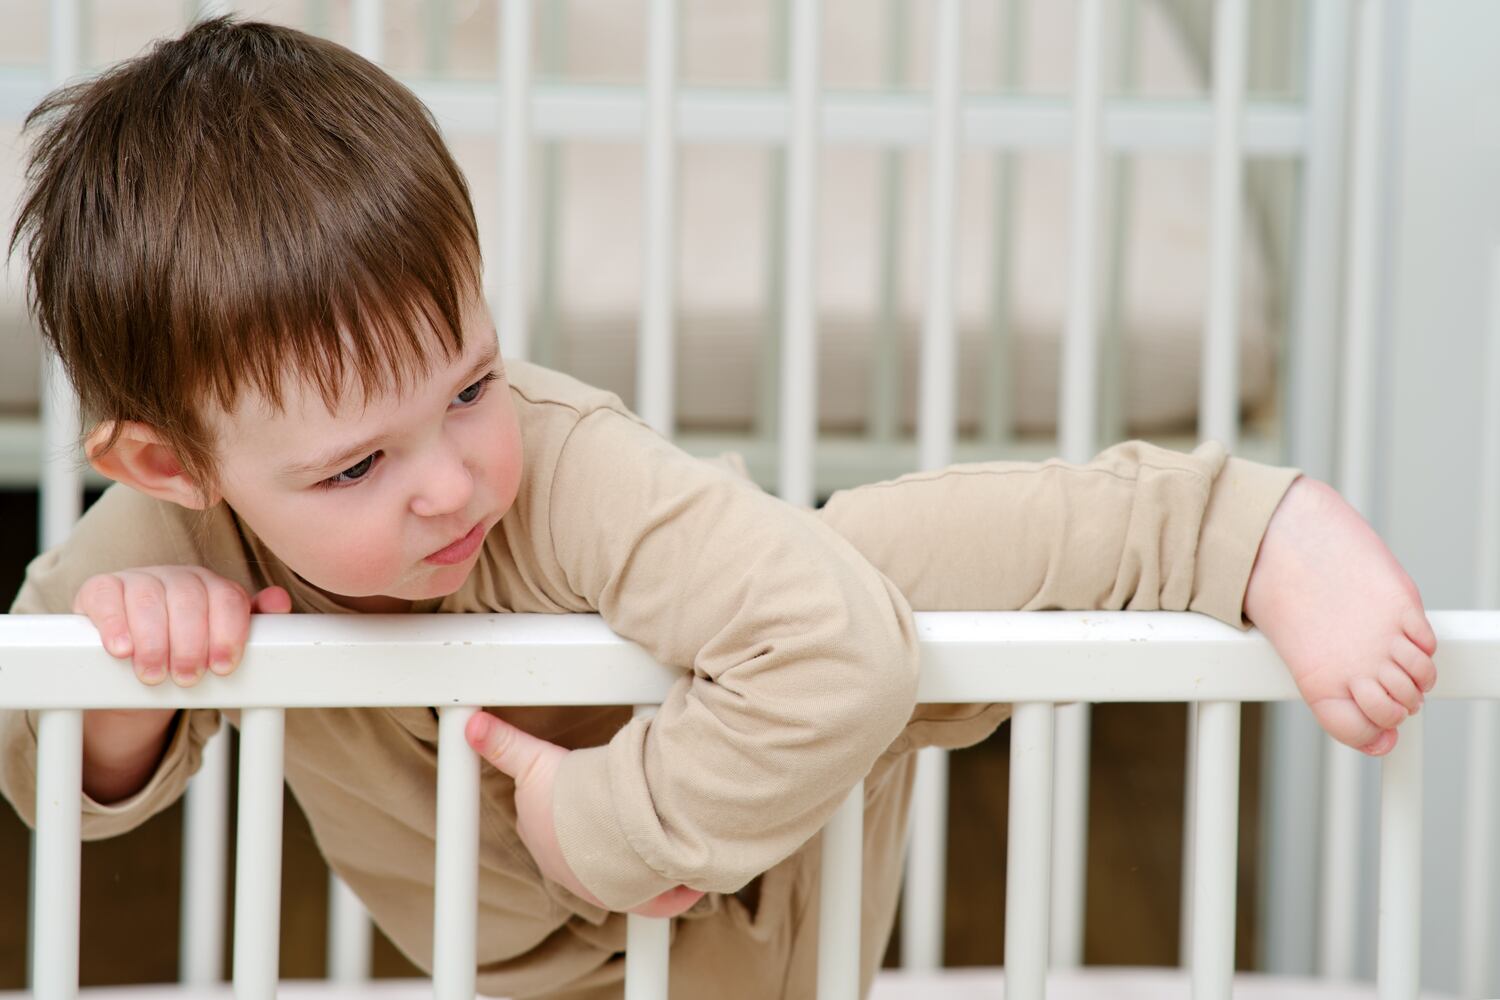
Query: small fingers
pixel 271 600
pixel 102 599
pixel 228 624
pixel 1379 707
pixel 146 610
pixel 514 751
pixel 187 627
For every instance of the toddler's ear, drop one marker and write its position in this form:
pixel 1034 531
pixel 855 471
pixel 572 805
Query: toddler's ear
pixel 141 460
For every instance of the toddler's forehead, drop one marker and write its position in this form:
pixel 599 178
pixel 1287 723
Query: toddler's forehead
pixel 304 409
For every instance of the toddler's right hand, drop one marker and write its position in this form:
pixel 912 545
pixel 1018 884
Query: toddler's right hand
pixel 183 617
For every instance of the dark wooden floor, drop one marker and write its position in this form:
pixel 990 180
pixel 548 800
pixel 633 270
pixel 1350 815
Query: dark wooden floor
pixel 131 883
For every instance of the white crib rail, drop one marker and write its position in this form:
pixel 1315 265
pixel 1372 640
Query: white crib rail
pixel 1032 659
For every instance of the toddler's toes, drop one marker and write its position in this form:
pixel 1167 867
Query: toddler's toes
pixel 1415 661
pixel 1379 707
pixel 1344 721
pixel 1401 687
pixel 1417 628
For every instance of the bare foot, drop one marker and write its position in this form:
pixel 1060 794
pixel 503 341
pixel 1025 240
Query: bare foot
pixel 1343 615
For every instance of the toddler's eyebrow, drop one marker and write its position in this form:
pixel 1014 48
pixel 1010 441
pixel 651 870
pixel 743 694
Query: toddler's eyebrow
pixel 357 451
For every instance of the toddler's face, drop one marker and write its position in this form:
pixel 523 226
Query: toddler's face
pixel 386 502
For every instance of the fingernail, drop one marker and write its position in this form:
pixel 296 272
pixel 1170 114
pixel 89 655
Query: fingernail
pixel 189 677
pixel 222 667
pixel 152 675
pixel 119 645
pixel 480 727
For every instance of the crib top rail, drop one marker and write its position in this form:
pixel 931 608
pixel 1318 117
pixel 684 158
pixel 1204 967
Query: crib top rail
pixel 308 661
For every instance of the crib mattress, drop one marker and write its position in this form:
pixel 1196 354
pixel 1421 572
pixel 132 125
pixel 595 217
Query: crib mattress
pixel 954 984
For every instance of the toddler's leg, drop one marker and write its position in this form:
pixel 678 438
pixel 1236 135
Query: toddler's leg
pixel 1143 528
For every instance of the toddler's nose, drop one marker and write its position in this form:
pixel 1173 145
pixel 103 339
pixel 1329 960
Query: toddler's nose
pixel 446 486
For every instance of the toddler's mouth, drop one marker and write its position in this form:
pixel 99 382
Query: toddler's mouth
pixel 459 550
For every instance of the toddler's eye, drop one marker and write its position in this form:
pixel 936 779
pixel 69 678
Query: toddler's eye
pixel 354 473
pixel 473 392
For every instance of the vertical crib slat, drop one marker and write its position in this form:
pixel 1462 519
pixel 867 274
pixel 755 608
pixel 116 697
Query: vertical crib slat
pixel 1214 867
pixel 997 419
pixel 1028 865
pixel 1356 456
pixel 935 431
pixel 455 895
pixel 1218 418
pixel 367 28
pixel 1399 938
pixel 54 946
pixel 648 941
pixel 1477 925
pixel 1218 405
pixel 655 368
pixel 61 483
pixel 350 935
pixel 1339 878
pixel 798 425
pixel 648 944
pixel 935 421
pixel 768 364
pixel 205 866
pixel 1077 418
pixel 257 873
pixel 1077 426
pixel 839 899
pixel 888 339
pixel 1313 348
pixel 923 893
pixel 1361 277
pixel 1480 807
pixel 515 144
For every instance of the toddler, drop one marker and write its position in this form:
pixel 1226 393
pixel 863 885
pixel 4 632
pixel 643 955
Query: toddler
pixel 259 267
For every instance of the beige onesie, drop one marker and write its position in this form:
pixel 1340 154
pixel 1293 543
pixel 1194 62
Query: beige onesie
pixel 794 633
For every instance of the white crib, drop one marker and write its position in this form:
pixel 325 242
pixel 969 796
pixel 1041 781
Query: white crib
pixel 787 452
pixel 1035 660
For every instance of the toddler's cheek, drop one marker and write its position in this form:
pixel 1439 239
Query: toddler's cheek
pixel 357 567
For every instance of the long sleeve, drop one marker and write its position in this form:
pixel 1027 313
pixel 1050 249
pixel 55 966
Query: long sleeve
pixel 800 658
pixel 1139 528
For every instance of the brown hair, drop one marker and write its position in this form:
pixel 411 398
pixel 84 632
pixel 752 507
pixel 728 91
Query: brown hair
pixel 236 203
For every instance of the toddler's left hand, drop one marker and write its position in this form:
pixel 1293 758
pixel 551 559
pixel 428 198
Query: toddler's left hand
pixel 533 763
